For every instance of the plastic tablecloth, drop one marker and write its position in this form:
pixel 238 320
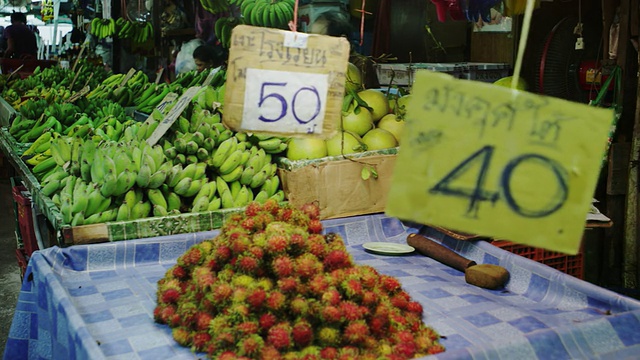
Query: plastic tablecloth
pixel 96 301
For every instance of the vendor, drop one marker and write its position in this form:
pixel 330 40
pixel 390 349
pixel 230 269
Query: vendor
pixel 209 57
pixel 21 41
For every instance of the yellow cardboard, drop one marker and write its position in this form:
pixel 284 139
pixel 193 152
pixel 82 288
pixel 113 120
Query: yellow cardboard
pixel 285 83
pixel 492 161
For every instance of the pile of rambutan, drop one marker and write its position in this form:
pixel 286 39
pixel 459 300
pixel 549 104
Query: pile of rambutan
pixel 271 286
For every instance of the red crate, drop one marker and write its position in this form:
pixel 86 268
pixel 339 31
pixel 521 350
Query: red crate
pixel 25 220
pixel 21 256
pixel 569 264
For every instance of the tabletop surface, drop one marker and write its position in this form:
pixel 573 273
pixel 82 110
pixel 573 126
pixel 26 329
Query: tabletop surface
pixel 96 301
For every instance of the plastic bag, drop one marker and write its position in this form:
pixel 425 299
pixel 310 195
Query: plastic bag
pixel 184 59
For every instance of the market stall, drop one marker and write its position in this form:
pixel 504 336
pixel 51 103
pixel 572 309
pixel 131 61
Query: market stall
pixel 96 301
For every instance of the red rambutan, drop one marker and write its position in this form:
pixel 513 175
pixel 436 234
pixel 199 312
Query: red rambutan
pixel 240 244
pixel 297 241
pixel 312 210
pixel 256 298
pixel 248 328
pixel 299 306
pixel 270 353
pixel 222 253
pixel 228 355
pixel 248 225
pixel 252 209
pixel 369 298
pixel 203 277
pixel 318 285
pixel 302 333
pixel 332 297
pixel 337 259
pixel 288 284
pixel 315 226
pixel 414 307
pixel 248 264
pixel 277 244
pixel 192 257
pixel 378 325
pixel 250 345
pixel 170 296
pixel 179 272
pixel 331 314
pixel 201 340
pixel 390 284
pixel 350 310
pixel 399 301
pixel 282 266
pixel 280 336
pixel 352 288
pixel 202 320
pixel 329 353
pixel 256 252
pixel 222 292
pixel 271 206
pixel 276 300
pixel 307 266
pixel 267 320
pixel 356 332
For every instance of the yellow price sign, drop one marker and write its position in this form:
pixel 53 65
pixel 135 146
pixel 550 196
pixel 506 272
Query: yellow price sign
pixel 493 161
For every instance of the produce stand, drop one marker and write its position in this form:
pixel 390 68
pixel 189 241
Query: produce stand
pixel 98 300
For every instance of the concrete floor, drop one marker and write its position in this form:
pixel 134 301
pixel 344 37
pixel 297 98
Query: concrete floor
pixel 9 271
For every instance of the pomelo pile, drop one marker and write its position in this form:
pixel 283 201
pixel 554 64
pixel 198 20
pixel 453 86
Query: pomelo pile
pixel 271 286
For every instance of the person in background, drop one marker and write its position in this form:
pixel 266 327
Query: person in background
pixel 209 57
pixel 21 41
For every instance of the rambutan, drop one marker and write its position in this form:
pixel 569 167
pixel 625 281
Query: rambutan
pixel 299 306
pixel 267 320
pixel 297 241
pixel 352 288
pixel 282 266
pixel 240 294
pixel 192 257
pixel 276 300
pixel 368 276
pixel 307 266
pixel 201 340
pixel 318 285
pixel 249 225
pixel 378 325
pixel 315 226
pixel 270 353
pixel 256 252
pixel 312 210
pixel 369 298
pixel 285 214
pixel 332 297
pixel 252 209
pixel 279 336
pixel 248 264
pixel 170 296
pixel 399 301
pixel 277 244
pixel 414 307
pixel 329 336
pixel 240 244
pixel 337 259
pixel 250 345
pixel 288 284
pixel 222 292
pixel 302 333
pixel 331 314
pixel 228 355
pixel 248 328
pixel 179 272
pixel 350 310
pixel 329 353
pixel 356 332
pixel 182 336
pixel 202 320
pixel 222 253
pixel 390 284
pixel 271 206
pixel 187 311
pixel 202 277
pixel 256 298
pixel 349 352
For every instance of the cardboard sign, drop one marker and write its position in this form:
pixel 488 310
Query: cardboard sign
pixel 159 75
pixel 210 77
pixel 166 101
pixel 489 160
pixel 127 77
pixel 285 83
pixel 173 114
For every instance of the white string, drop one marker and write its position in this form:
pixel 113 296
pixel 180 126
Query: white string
pixel 524 34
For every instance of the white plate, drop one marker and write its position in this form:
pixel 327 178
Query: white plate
pixel 388 248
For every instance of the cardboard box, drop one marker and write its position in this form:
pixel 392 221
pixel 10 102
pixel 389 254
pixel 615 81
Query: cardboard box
pixel 336 183
pixel 307 14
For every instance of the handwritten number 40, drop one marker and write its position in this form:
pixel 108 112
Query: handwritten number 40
pixel 284 104
pixel 479 194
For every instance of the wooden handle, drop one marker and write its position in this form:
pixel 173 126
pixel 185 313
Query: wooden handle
pixel 439 252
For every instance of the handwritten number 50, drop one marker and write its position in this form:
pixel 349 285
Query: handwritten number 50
pixel 284 104
pixel 480 194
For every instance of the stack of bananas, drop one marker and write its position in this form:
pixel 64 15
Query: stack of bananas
pixel 223 27
pixel 136 31
pixel 103 28
pixel 267 13
pixel 215 6
pixel 124 95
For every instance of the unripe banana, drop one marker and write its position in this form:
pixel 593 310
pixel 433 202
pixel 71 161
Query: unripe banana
pixel 274 185
pixel 206 190
pixel 223 151
pixel 278 196
pixel 141 210
pixel 157 179
pixel 200 172
pixel 124 212
pixel 247 175
pixel 226 199
pixel 78 219
pixel 258 179
pixel 144 175
pixel 157 198
pixel 174 202
pixel 214 204
pixel 94 201
pixel 231 163
pixel 173 176
pixel 195 187
pixel 159 211
pixel 233 175
pixel 126 180
pixel 200 204
pixel 50 188
pixel 221 185
pixel 261 197
pixel 109 185
pixel 183 186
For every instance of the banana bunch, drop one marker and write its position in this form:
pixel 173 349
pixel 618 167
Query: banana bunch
pixel 103 28
pixel 124 28
pixel 268 13
pixel 270 144
pixel 141 32
pixel 124 95
pixel 215 6
pixel 210 97
pixel 223 27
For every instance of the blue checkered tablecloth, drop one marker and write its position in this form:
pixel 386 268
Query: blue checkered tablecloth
pixel 96 301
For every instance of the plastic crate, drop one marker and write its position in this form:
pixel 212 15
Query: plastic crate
pixel 569 264
pixel 22 259
pixel 25 219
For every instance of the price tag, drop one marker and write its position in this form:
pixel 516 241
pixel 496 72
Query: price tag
pixel 173 114
pixel 210 77
pixel 487 160
pixel 285 84
pixel 127 77
pixel 166 101
pixel 159 75
pixel 84 91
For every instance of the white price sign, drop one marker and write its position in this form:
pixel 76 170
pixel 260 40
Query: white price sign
pixel 285 83
pixel 284 100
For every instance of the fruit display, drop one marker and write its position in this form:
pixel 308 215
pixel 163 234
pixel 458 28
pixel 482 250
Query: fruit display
pixel 267 13
pixel 272 286
pixel 138 32
pixel 42 82
pixel 223 27
pixel 198 165
pixel 123 94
